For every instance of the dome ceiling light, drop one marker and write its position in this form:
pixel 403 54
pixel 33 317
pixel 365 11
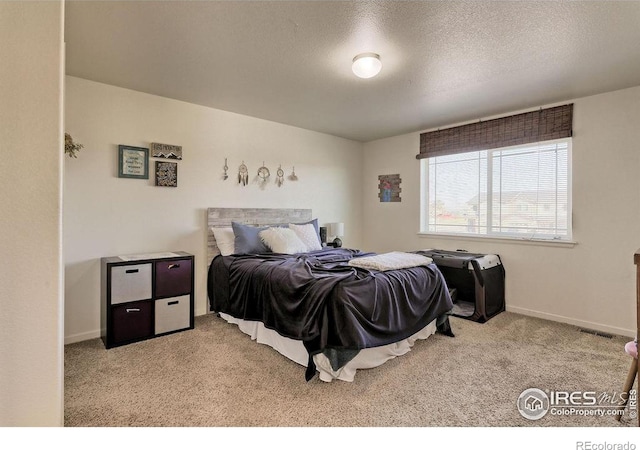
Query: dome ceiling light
pixel 366 65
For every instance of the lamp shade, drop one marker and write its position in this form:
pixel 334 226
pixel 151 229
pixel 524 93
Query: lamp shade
pixel 366 65
pixel 336 229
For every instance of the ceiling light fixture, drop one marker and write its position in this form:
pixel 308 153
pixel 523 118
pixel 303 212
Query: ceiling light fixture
pixel 366 65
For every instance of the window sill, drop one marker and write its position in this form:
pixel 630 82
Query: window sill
pixel 510 240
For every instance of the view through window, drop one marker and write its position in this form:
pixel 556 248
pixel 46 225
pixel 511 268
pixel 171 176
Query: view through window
pixel 522 192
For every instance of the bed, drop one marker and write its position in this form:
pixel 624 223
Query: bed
pixel 325 308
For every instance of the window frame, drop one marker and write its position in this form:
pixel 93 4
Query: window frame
pixel 424 201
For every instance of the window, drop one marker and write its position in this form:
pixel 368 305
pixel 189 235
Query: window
pixel 521 191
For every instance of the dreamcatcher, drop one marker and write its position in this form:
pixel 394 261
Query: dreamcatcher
pixel 243 174
pixel 263 174
pixel 293 176
pixel 280 176
pixel 225 176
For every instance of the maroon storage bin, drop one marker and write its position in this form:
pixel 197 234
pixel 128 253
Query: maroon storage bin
pixel 132 321
pixel 173 277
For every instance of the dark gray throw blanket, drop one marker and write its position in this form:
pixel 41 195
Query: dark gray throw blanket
pixel 319 299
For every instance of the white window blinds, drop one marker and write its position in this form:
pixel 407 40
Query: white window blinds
pixel 521 191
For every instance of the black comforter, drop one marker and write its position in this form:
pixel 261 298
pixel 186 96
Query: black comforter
pixel 319 299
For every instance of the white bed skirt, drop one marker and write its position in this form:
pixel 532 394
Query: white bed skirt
pixel 295 351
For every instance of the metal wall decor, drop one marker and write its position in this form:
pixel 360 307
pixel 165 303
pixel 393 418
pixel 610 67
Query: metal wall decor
pixel 243 174
pixel 166 174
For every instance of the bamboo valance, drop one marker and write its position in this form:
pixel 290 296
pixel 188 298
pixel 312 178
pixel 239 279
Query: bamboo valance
pixel 535 126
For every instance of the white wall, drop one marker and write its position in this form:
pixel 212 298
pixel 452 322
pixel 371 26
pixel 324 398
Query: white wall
pixel 591 284
pixel 105 215
pixel 31 103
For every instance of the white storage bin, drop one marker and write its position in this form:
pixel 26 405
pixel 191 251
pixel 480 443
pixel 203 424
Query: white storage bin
pixel 130 283
pixel 173 314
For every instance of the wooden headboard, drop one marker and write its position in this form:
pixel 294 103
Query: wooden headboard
pixel 222 217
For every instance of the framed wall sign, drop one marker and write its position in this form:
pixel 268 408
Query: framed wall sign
pixel 166 174
pixel 166 151
pixel 133 162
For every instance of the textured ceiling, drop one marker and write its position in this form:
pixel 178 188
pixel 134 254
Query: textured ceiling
pixel 443 62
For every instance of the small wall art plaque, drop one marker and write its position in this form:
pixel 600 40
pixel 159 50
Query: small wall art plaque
pixel 165 151
pixel 166 174
pixel 133 162
pixel 389 188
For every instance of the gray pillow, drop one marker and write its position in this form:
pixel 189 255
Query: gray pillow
pixel 247 239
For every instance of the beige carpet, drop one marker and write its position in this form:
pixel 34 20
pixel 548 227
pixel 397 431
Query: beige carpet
pixel 215 376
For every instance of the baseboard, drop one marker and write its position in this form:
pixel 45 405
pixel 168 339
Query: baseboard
pixel 514 309
pixel 90 334
pixel 571 321
pixel 81 337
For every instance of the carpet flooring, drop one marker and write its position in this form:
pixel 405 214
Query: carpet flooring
pixel 215 376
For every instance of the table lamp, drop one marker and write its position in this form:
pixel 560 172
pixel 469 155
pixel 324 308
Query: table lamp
pixel 337 231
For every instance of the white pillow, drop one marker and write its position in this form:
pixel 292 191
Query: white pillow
pixel 225 239
pixel 282 240
pixel 307 234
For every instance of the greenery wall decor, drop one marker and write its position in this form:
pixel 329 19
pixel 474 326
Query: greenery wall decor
pixel 71 148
